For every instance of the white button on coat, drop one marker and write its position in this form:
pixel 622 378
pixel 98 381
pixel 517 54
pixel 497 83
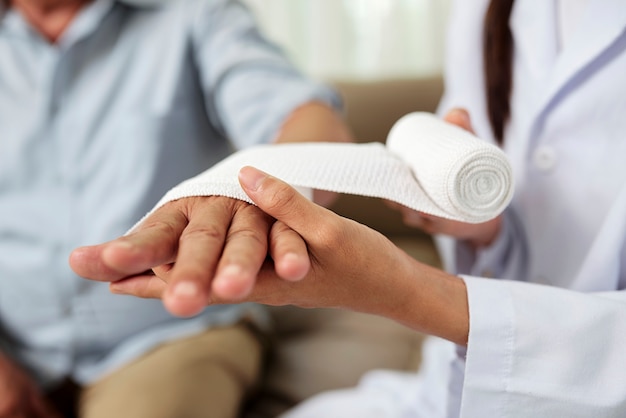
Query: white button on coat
pixel 544 158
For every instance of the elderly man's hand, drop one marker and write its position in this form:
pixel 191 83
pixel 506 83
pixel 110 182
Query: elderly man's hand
pixel 195 249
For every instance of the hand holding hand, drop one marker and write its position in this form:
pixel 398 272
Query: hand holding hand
pixel 330 261
pixel 355 267
pixel 176 253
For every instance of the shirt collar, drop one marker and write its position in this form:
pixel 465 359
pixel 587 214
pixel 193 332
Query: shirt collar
pixel 144 3
pixel 4 5
pixel 5 8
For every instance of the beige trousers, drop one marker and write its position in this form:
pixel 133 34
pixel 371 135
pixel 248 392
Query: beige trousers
pixel 204 376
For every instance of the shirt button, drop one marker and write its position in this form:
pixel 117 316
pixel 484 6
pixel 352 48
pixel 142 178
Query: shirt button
pixel 544 158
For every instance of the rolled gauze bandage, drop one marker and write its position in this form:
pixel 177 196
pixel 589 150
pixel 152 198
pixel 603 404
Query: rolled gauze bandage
pixel 469 179
pixel 427 165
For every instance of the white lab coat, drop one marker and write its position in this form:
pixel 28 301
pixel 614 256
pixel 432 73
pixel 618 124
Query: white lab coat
pixel 535 350
pixel 538 351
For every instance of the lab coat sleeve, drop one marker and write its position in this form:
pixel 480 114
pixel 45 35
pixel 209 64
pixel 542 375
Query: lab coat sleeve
pixel 506 258
pixel 539 351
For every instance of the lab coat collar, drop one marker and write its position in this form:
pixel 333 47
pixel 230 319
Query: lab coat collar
pixel 590 42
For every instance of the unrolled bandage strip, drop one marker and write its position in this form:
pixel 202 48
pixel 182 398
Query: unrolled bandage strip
pixel 427 165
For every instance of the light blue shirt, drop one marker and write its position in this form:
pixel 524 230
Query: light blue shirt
pixel 134 98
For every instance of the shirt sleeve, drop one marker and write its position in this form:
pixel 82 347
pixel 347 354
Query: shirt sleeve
pixel 249 84
pixel 535 350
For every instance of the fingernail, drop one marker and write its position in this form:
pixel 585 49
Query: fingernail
pixel 227 274
pixel 251 178
pixel 186 289
pixel 292 257
pixel 294 266
pixel 119 246
pixel 231 281
pixel 124 245
pixel 462 115
pixel 117 289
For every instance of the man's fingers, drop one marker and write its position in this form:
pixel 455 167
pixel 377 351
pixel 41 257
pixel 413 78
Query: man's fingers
pixel 281 201
pixel 153 243
pixel 87 262
pixel 243 255
pixel 144 286
pixel 199 249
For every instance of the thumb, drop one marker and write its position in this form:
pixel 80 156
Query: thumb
pixel 281 201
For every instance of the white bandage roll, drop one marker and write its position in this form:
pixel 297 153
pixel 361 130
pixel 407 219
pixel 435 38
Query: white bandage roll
pixel 466 177
pixel 427 165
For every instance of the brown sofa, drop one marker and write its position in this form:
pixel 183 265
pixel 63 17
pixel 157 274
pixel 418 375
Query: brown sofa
pixel 320 349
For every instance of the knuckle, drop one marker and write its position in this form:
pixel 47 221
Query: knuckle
pixel 252 238
pixel 159 225
pixel 281 236
pixel 281 200
pixel 331 234
pixel 188 205
pixel 280 228
pixel 207 232
pixel 195 274
pixel 250 218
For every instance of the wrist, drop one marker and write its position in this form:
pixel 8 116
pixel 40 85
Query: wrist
pixel 429 300
pixel 443 305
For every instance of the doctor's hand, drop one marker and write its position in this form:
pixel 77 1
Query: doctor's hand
pixel 19 395
pixel 192 250
pixel 477 235
pixel 352 267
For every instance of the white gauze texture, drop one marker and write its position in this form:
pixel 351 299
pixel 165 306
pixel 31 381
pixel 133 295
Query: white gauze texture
pixel 427 165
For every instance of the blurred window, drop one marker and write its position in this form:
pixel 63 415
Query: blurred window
pixel 358 39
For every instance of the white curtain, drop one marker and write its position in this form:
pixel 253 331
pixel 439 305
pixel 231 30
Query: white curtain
pixel 358 39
